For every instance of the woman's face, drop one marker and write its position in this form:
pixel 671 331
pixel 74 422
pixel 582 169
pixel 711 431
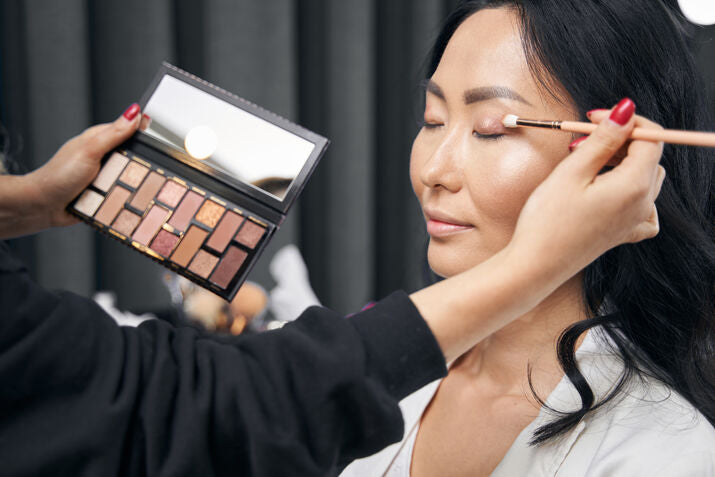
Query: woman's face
pixel 471 175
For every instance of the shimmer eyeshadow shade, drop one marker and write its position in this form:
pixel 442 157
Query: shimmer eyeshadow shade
pixel 147 191
pixel 229 266
pixel 185 191
pixel 171 193
pixel 112 205
pixel 110 171
pixel 126 222
pixel 222 235
pixel 164 243
pixel 210 213
pixel 134 174
pixel 203 263
pixel 189 245
pixel 88 202
pixel 188 207
pixel 250 234
pixel 150 225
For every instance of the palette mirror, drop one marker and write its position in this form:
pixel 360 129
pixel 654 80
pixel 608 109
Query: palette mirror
pixel 197 126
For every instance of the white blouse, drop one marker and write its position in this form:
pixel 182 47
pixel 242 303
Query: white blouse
pixel 648 430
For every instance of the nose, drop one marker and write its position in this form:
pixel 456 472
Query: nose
pixel 442 168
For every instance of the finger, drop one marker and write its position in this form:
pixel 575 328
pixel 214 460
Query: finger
pixel 105 137
pixel 615 159
pixel 598 115
pixel 648 228
pixel 595 152
pixel 640 166
pixel 657 184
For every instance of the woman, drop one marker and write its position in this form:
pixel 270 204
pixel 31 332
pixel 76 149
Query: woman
pixel 634 332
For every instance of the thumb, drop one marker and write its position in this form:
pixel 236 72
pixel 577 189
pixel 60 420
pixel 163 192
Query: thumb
pixel 107 137
pixel 596 151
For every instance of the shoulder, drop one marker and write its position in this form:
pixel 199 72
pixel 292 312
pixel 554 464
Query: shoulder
pixel 644 430
pixel 647 432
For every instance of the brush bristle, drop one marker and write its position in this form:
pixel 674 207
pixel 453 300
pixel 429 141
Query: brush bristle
pixel 509 120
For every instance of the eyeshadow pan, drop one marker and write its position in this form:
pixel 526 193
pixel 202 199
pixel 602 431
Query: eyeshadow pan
pixel 188 207
pixel 134 174
pixel 190 243
pixel 150 225
pixel 147 191
pixel 88 202
pixel 126 222
pixel 112 205
pixel 250 234
pixel 209 213
pixel 203 263
pixel 230 263
pixel 164 243
pixel 222 235
pixel 110 171
pixel 171 193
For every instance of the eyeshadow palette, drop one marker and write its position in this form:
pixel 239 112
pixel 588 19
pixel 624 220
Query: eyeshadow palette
pixel 204 185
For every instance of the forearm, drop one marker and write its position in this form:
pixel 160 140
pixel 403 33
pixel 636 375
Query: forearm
pixel 487 298
pixel 21 213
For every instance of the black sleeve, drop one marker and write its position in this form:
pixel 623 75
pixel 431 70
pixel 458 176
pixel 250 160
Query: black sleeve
pixel 81 396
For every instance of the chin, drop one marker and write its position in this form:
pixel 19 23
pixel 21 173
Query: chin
pixel 449 260
pixel 446 263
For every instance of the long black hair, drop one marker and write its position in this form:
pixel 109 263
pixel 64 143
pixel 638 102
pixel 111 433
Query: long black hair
pixel 658 293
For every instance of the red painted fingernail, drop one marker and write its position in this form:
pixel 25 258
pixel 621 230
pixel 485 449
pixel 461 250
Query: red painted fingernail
pixel 588 114
pixel 131 112
pixel 623 112
pixel 576 143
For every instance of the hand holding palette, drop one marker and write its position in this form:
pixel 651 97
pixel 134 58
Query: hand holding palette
pixel 205 184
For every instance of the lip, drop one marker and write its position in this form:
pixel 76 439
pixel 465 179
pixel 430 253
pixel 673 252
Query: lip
pixel 440 224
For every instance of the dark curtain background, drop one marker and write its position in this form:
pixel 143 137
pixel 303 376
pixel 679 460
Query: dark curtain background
pixel 348 70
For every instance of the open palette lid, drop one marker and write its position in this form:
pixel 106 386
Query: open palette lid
pixel 228 138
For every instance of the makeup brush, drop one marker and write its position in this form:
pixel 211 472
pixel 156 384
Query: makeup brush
pixel 672 136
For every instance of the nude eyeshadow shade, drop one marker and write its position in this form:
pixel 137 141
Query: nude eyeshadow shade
pixel 189 246
pixel 210 213
pixel 171 193
pixel 202 187
pixel 89 202
pixel 126 222
pixel 250 234
pixel 134 174
pixel 225 230
pixel 146 193
pixel 188 207
pixel 203 263
pixel 150 225
pixel 109 173
pixel 112 205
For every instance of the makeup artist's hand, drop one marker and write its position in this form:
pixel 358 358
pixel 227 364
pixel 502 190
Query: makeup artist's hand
pixel 75 165
pixel 599 211
pixel 37 200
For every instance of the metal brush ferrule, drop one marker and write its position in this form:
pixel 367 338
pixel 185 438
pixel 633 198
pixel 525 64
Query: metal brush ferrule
pixel 534 123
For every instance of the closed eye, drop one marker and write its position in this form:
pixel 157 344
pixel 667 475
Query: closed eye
pixel 488 137
pixel 427 125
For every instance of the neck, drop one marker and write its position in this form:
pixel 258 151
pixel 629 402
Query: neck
pixel 500 361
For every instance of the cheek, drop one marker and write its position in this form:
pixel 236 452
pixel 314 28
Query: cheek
pixel 416 161
pixel 501 186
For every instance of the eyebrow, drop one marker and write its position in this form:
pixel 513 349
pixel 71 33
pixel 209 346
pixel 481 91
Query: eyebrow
pixel 476 95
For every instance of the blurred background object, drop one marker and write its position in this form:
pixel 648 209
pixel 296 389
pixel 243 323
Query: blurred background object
pixel 348 70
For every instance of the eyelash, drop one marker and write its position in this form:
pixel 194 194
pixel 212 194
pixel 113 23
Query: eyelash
pixel 486 137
